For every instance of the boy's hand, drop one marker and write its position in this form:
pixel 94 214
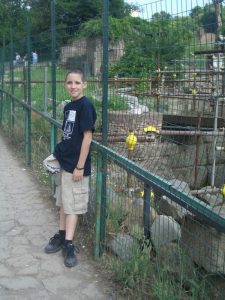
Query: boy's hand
pixel 78 174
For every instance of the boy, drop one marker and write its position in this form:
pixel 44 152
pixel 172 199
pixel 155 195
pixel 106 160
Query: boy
pixel 74 158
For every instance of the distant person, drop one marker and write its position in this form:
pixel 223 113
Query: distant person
pixel 34 58
pixel 18 58
pixel 73 155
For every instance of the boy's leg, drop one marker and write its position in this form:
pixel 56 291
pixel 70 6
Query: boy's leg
pixel 71 223
pixel 62 219
pixel 56 242
pixel 75 200
pixel 70 259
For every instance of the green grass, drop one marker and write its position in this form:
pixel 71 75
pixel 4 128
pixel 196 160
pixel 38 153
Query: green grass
pixel 144 277
pixel 115 102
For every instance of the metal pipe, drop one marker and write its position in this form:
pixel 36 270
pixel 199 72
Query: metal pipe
pixel 46 90
pixel 2 79
pixel 218 148
pixel 146 211
pixel 215 136
pixel 197 151
pixel 142 138
pixel 132 80
pixel 53 73
pixel 98 245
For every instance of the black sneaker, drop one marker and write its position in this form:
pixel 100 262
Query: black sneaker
pixel 55 243
pixel 68 251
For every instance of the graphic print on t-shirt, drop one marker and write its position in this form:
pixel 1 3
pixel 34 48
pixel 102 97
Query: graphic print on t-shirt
pixel 70 116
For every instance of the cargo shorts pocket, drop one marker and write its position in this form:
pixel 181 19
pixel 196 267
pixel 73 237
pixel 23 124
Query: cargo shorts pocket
pixel 80 196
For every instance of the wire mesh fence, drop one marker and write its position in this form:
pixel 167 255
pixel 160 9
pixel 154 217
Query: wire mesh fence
pixel 165 114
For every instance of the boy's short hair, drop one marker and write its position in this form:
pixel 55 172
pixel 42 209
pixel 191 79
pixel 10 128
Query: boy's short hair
pixel 77 71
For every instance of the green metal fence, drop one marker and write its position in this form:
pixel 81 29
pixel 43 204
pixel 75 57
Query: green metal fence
pixel 157 183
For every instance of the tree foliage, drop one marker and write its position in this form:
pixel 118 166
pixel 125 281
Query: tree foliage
pixel 152 45
pixel 14 14
pixel 147 43
pixel 206 17
pixel 118 28
pixel 73 13
pixel 12 18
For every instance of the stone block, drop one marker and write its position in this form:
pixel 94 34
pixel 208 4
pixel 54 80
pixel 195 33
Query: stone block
pixel 171 255
pixel 186 156
pixel 164 230
pixel 152 150
pixel 204 244
pixel 188 175
pixel 123 245
pixel 170 208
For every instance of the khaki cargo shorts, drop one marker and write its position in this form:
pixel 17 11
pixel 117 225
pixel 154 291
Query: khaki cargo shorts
pixel 72 195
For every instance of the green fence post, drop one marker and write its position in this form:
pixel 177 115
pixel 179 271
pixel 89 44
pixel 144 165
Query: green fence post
pixel 1 98
pixel 28 149
pixel 105 72
pixel 104 116
pixel 146 211
pixel 53 69
pixel 24 82
pixel 12 104
pixel 2 80
pixel 98 206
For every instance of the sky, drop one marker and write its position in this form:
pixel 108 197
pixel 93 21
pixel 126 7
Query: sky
pixel 173 7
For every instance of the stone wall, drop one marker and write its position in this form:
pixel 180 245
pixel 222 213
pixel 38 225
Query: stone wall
pixel 90 52
pixel 171 157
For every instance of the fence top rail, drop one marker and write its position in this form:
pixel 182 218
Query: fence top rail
pixel 191 203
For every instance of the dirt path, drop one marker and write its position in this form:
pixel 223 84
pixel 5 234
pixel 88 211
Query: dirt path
pixel 27 220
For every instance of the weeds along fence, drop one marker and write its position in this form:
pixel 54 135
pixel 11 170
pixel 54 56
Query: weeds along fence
pixel 157 185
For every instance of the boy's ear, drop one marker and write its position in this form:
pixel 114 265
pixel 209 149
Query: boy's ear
pixel 85 84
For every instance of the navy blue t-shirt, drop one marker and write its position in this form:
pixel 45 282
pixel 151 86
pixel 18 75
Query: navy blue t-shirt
pixel 79 116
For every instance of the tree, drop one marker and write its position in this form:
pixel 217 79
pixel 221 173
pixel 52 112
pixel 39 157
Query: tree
pixel 12 16
pixel 209 19
pixel 162 15
pixel 209 16
pixel 73 13
pixel 152 45
pixel 118 28
pixel 119 8
pixel 69 13
pixel 196 11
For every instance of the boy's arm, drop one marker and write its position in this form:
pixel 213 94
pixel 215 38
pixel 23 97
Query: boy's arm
pixel 85 147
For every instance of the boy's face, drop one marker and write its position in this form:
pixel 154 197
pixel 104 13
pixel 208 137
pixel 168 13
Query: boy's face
pixel 75 86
